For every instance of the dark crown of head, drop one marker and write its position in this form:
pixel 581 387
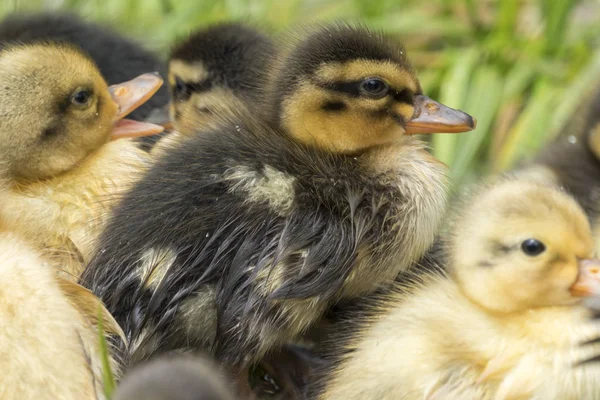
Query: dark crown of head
pixel 216 45
pixel 340 43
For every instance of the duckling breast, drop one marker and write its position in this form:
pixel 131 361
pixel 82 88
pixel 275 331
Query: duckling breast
pixel 64 215
pixel 410 188
pixel 48 350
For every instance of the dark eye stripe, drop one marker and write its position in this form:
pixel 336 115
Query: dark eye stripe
pixel 352 88
pixel 51 130
pixel 191 87
pixel 334 106
pixel 198 87
pixel 63 105
pixel 404 96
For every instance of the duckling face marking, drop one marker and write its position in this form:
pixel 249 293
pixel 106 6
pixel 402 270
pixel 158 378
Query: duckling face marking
pixel 518 246
pixel 55 109
pixel 197 101
pixel 352 106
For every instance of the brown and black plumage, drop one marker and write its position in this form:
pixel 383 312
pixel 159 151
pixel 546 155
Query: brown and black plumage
pixel 217 68
pixel 241 237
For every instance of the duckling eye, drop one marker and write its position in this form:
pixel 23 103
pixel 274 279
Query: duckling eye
pixel 179 85
pixel 180 89
pixel 533 247
pixel 374 87
pixel 81 97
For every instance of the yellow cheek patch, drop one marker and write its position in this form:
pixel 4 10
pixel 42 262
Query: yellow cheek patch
pixel 188 116
pixel 406 111
pixel 344 131
pixel 392 73
pixel 365 104
pixel 189 72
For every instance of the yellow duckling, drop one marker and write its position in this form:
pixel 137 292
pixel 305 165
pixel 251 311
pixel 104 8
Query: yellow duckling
pixel 58 116
pixel 49 343
pixel 504 322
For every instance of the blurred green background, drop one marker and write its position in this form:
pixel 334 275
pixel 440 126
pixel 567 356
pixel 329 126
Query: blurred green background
pixel 520 67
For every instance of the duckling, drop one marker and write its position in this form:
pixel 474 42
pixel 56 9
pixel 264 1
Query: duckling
pixel 58 116
pixel 118 58
pixel 49 343
pixel 217 68
pixel 175 378
pixel 212 71
pixel 241 237
pixel 504 321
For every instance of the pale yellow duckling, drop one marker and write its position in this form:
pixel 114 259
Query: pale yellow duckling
pixel 58 116
pixel 505 322
pixel 49 341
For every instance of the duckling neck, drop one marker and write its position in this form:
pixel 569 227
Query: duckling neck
pixel 412 197
pixel 548 326
pixel 64 214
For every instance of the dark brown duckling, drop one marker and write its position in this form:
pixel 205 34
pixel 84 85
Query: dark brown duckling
pixel 240 238
pixel 217 68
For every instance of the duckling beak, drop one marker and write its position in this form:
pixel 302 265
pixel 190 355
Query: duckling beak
pixel 130 95
pixel 433 117
pixel 588 280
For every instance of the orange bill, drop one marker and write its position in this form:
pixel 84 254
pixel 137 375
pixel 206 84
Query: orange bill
pixel 129 96
pixel 588 280
pixel 433 117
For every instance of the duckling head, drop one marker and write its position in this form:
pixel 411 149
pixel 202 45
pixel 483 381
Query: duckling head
pixel 177 378
pixel 519 245
pixel 346 89
pixel 215 69
pixel 57 109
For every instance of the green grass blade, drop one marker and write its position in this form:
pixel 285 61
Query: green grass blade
pixel 556 15
pixel 108 378
pixel 483 101
pixel 453 92
pixel 518 80
pixel 531 129
pixel 507 17
pixel 587 80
